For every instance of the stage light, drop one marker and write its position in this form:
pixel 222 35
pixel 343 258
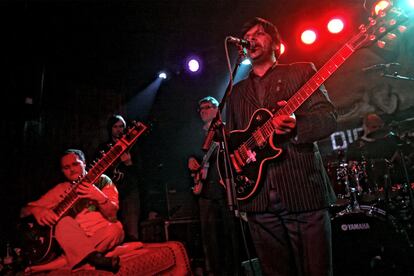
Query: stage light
pixel 381 5
pixel 335 25
pixel 162 75
pixel 308 37
pixel 193 65
pixel 246 61
pixel 406 5
pixel 282 48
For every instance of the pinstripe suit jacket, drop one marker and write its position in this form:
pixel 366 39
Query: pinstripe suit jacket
pixel 297 177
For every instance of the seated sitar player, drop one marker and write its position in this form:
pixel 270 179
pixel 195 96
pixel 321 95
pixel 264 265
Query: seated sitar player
pixel 91 229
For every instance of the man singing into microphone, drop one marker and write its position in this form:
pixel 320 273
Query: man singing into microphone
pixel 288 213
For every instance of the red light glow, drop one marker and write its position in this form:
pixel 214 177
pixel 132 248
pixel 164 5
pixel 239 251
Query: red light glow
pixel 282 48
pixel 308 37
pixel 381 5
pixel 335 25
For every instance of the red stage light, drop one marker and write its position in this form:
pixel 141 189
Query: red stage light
pixel 335 25
pixel 381 5
pixel 308 37
pixel 282 48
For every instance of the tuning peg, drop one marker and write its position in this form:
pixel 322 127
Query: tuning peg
pixel 402 29
pixel 391 36
pixel 382 13
pixel 382 30
pixel 392 22
pixel 381 44
pixel 362 28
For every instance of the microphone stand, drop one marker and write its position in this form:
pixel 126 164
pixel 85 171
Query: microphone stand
pixel 217 125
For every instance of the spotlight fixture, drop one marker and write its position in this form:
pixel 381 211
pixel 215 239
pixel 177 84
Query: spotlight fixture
pixel 193 64
pixel 335 25
pixel 246 61
pixel 162 75
pixel 308 36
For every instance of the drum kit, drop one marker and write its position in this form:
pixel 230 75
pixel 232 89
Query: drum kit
pixel 373 218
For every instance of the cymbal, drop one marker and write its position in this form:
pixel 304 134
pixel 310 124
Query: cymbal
pixel 381 134
pixel 404 125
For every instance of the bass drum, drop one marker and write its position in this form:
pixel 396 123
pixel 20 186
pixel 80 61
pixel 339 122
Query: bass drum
pixel 364 242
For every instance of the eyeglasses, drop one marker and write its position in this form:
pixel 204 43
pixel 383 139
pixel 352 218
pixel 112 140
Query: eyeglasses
pixel 206 107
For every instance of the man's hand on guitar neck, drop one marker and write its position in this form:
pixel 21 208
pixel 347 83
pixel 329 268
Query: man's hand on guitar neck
pixel 193 164
pixel 283 124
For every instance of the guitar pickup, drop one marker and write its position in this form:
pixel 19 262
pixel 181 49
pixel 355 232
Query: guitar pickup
pixel 234 161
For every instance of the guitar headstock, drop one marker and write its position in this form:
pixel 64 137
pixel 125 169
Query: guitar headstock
pixel 386 25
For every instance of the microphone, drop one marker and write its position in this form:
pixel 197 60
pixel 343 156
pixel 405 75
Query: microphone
pixel 241 42
pixel 380 66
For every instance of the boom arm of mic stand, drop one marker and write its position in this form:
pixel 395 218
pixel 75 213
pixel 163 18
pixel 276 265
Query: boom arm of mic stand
pixel 211 131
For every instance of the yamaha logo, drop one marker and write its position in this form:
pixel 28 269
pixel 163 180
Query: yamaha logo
pixel 355 226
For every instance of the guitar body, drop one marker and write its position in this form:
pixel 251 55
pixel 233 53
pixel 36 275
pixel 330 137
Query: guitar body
pixel 36 241
pixel 248 170
pixel 201 174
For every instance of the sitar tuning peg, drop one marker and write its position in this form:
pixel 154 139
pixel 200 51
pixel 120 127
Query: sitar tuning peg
pixel 402 28
pixel 381 44
pixel 382 30
pixel 391 36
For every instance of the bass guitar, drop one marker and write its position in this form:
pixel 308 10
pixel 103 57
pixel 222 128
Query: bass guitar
pixel 37 242
pixel 251 148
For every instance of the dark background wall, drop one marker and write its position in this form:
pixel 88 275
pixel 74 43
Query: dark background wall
pixel 66 66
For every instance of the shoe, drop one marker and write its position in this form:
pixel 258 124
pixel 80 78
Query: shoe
pixel 99 261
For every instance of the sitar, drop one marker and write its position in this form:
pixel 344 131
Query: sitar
pixel 252 148
pixel 37 242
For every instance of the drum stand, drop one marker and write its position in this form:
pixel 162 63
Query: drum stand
pixel 401 220
pixel 354 189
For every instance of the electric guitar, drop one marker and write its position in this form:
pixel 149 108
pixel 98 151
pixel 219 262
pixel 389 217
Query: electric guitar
pixel 252 147
pixel 201 174
pixel 37 242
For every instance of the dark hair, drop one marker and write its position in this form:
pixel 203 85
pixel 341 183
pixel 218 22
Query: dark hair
pixel 268 27
pixel 113 120
pixel 79 153
pixel 209 99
